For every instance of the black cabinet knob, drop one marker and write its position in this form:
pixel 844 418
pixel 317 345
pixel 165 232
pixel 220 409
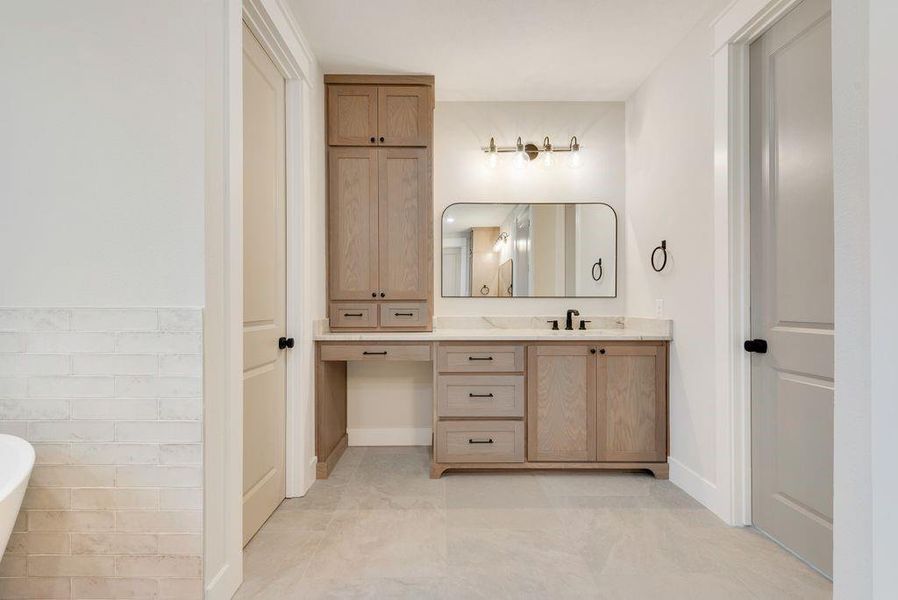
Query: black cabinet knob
pixel 602 351
pixel 374 294
pixel 381 139
pixel 592 350
pixel 382 295
pixel 373 140
pixel 285 342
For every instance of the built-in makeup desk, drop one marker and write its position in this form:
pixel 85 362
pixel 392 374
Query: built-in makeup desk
pixel 510 393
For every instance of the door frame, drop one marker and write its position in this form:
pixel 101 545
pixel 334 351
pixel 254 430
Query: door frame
pixel 275 28
pixel 734 30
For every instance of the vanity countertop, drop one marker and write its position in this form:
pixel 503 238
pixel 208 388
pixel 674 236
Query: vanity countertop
pixel 512 329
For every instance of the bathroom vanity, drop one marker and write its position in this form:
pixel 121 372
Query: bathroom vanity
pixel 508 393
pixel 518 396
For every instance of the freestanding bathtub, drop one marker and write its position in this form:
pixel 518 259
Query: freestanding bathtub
pixel 16 461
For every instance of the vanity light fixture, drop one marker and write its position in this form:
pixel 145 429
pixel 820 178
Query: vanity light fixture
pixel 500 241
pixel 525 153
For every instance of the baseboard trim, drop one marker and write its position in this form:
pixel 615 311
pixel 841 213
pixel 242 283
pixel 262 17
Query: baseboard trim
pixel 405 436
pixel 694 484
pixel 223 584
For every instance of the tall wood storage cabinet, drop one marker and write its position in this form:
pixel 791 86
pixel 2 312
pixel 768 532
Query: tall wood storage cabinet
pixel 380 202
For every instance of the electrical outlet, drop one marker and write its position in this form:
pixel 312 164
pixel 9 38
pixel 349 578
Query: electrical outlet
pixel 659 308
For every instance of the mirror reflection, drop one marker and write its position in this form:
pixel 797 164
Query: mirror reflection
pixel 529 250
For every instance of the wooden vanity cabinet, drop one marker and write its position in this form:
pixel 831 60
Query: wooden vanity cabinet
pixel 380 201
pixel 604 402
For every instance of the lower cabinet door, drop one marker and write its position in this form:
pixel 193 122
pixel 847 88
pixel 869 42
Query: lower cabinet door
pixel 631 403
pixel 561 417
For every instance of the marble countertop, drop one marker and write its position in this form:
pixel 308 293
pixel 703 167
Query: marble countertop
pixel 512 329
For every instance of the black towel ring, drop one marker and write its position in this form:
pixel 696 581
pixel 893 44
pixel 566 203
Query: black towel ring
pixel 601 270
pixel 485 290
pixel 663 249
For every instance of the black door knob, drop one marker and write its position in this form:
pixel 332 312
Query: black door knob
pixel 285 342
pixel 757 346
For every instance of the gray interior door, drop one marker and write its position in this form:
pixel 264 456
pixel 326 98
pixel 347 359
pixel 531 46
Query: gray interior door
pixel 792 283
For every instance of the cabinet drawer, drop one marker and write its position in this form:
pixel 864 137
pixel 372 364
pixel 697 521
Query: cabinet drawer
pixel 404 314
pixel 373 352
pixel 480 396
pixel 480 441
pixel 353 315
pixel 481 359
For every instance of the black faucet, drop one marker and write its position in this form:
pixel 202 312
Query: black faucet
pixel 568 321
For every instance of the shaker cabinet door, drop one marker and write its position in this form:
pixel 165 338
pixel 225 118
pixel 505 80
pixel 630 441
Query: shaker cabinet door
pixel 404 115
pixel 561 400
pixel 405 218
pixel 631 403
pixel 351 115
pixel 352 224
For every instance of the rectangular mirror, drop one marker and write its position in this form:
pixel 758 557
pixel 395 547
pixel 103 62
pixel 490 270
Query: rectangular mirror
pixel 529 250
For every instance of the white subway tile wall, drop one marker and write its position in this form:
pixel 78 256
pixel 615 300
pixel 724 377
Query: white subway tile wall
pixel 112 400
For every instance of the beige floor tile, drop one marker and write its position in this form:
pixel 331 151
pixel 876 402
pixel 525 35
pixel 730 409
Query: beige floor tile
pixel 381 528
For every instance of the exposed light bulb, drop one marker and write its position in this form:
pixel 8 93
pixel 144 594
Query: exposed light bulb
pixel 546 158
pixel 492 159
pixel 575 160
pixel 520 159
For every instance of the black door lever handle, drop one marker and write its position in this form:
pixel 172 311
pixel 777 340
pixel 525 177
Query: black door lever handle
pixel 757 346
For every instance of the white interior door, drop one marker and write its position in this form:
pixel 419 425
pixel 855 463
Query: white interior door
pixel 264 286
pixel 792 283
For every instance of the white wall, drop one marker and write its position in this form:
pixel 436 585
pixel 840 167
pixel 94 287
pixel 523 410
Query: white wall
pixel 865 87
pixel 669 196
pixel 101 164
pixel 102 191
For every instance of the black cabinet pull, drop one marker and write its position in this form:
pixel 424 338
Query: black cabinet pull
pixel 473 395
pixel 480 358
pixel 473 441
pixel 403 314
pixel 352 314
pixel 366 353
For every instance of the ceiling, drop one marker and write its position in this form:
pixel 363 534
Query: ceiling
pixel 502 50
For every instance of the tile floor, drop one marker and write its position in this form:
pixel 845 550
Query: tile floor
pixel 380 528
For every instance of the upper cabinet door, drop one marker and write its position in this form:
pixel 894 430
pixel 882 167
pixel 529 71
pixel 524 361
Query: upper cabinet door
pixel 404 115
pixel 352 223
pixel 405 223
pixel 561 400
pixel 631 403
pixel 352 115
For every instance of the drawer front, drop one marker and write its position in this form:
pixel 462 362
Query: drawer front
pixel 480 396
pixel 480 441
pixel 404 314
pixel 481 359
pixel 373 352
pixel 353 315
